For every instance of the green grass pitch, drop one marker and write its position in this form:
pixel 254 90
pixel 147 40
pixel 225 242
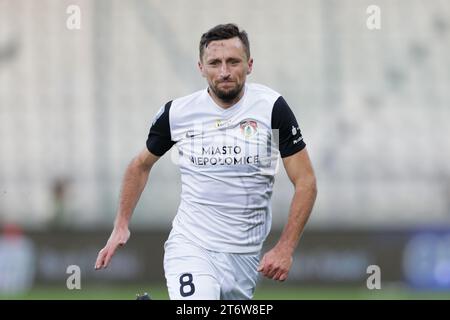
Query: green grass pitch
pixel 275 292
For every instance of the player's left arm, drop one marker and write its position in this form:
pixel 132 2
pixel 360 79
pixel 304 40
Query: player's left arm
pixel 277 262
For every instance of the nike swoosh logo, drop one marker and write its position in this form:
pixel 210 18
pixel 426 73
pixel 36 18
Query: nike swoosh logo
pixel 191 134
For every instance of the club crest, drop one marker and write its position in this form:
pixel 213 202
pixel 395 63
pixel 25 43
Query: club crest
pixel 249 127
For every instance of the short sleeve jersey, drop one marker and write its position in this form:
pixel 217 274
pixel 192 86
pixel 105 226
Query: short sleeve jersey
pixel 228 159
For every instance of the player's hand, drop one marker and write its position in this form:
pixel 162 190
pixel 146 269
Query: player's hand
pixel 119 237
pixel 276 263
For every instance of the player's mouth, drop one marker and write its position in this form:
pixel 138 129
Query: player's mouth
pixel 226 83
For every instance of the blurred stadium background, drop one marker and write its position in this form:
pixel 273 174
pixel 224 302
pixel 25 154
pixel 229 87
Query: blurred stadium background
pixel 374 105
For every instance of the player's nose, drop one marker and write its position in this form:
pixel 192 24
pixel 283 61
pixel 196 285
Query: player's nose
pixel 225 71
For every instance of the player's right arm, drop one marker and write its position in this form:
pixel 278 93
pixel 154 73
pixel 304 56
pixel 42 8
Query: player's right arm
pixel 159 141
pixel 134 182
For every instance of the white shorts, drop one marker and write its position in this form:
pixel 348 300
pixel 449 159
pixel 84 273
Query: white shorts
pixel 193 272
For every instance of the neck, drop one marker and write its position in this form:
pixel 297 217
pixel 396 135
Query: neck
pixel 226 104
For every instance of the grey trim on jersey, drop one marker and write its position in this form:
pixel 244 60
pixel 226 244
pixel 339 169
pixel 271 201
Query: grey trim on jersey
pixel 228 161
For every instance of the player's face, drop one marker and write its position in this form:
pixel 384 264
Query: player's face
pixel 225 66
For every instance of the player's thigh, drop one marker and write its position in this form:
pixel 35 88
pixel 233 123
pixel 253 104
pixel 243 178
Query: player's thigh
pixel 189 273
pixel 241 285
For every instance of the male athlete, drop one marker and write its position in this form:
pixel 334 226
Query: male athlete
pixel 229 137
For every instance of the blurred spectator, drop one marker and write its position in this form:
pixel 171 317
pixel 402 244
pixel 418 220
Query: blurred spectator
pixel 17 265
pixel 59 191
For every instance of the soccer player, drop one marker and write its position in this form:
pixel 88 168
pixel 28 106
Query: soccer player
pixel 229 138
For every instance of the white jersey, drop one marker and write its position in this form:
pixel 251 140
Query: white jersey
pixel 228 160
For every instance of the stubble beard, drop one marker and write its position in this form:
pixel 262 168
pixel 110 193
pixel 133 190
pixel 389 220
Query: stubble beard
pixel 227 95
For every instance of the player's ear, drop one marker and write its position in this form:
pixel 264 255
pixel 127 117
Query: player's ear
pixel 200 67
pixel 250 66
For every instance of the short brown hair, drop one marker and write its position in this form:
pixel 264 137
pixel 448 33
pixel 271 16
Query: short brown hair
pixel 223 32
